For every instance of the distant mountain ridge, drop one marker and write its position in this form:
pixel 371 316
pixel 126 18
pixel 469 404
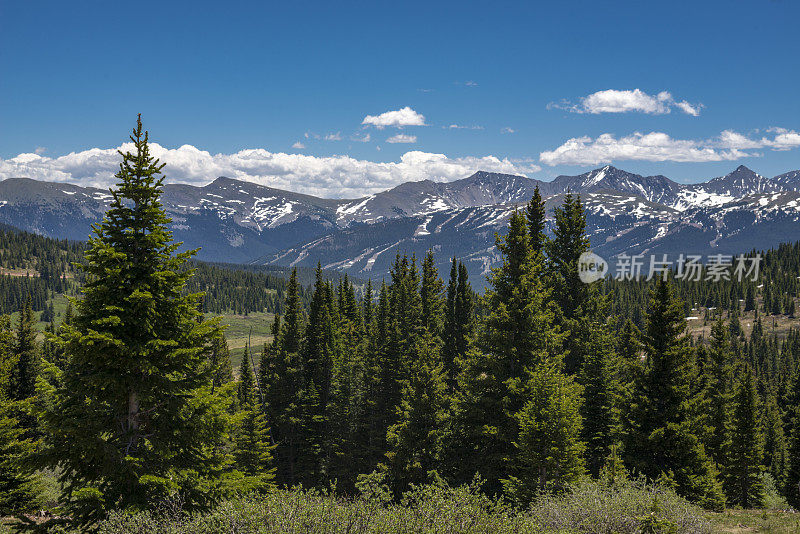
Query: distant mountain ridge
pixel 243 222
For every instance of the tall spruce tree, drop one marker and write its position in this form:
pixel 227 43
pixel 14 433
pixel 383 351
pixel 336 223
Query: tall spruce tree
pixel 775 452
pixel 792 489
pixel 600 409
pixel 19 491
pixel 516 338
pixel 27 356
pixel 719 391
pixel 661 436
pixel 415 441
pixel 535 216
pixel 253 447
pixel 134 419
pixel 743 482
pixel 246 387
pixel 431 297
pixel 549 442
pixel 580 304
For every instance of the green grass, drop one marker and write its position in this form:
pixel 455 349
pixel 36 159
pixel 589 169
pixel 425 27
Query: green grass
pixel 755 521
pixel 240 328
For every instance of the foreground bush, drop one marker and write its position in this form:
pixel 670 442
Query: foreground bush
pixel 589 507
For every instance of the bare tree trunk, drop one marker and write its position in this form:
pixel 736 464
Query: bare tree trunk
pixel 133 411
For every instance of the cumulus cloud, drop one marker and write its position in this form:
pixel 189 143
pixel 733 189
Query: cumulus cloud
pixel 402 138
pixel 298 145
pixel 462 127
pixel 399 118
pixel 334 136
pixel 508 130
pixel 333 176
pixel 658 146
pixel 623 101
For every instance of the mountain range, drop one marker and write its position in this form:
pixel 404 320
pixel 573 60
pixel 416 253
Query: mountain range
pixel 243 222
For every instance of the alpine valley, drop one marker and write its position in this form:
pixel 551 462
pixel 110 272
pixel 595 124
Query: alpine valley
pixel 242 222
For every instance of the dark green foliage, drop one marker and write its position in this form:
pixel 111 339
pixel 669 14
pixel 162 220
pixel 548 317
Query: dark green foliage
pixel 133 418
pixel 550 450
pixel 661 435
pixel 720 379
pixel 19 491
pixel 415 442
pixel 517 337
pixel 743 481
pixel 26 355
pixel 247 379
pixel 535 217
pixel 600 410
pixel 792 490
pixel 253 451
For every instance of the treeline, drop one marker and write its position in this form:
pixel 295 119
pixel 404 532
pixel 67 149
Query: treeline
pixel 39 267
pixel 774 292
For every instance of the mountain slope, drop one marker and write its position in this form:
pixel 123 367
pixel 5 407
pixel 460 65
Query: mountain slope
pixel 236 221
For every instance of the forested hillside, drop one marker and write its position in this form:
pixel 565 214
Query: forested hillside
pixel 523 395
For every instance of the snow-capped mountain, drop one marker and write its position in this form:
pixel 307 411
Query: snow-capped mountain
pixel 421 198
pixel 653 188
pixel 237 221
pixel 788 181
pixel 718 191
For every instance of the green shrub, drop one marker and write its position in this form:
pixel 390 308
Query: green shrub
pixel 591 507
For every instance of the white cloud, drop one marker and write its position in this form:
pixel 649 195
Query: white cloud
pixel 460 127
pixel 40 150
pixel 402 117
pixel 471 84
pixel 623 101
pixel 402 138
pixel 786 141
pixel 363 139
pixel 654 146
pixel 508 130
pixel 298 145
pixel 658 146
pixel 333 176
pixel 334 136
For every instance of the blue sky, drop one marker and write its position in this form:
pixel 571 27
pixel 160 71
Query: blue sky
pixel 223 77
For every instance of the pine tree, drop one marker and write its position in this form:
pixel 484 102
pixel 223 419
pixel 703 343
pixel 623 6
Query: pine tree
pixel 743 483
pixel 775 453
pixel 8 357
pixel 661 435
pixel 220 360
pixel 431 296
pixel 253 451
pixel 600 409
pixel 246 387
pixel 416 440
pixel 289 394
pixel 550 450
pixel 516 338
pixel 27 355
pixel 19 491
pixel 579 303
pixel 123 426
pixel 535 217
pixel 719 391
pixel 750 299
pixel 792 489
